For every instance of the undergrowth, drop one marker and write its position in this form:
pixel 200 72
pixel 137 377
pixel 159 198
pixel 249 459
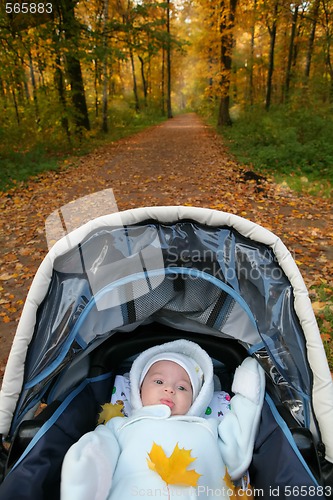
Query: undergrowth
pixel 26 152
pixel 322 299
pixel 294 146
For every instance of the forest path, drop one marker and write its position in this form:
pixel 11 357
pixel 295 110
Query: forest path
pixel 179 162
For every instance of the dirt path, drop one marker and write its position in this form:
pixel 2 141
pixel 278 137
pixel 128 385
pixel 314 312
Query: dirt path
pixel 180 162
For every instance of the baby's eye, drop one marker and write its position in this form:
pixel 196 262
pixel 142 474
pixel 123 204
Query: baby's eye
pixel 158 381
pixel 181 388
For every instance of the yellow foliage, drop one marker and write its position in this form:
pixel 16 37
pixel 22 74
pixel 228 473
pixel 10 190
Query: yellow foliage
pixel 173 469
pixel 318 306
pixel 110 410
pixel 236 490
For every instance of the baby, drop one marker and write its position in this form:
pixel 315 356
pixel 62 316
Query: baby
pixel 166 447
pixel 167 383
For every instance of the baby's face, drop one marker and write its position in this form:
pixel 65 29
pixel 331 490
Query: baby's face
pixel 167 383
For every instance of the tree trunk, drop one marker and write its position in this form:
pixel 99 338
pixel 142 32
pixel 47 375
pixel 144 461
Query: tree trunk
pixel 224 113
pixel 59 83
pixel 96 80
pixel 34 87
pixel 144 81
pixel 70 29
pixel 105 70
pixel 135 87
pixel 15 106
pixel 272 33
pixel 311 39
pixel 227 42
pixel 163 83
pixel 211 53
pixel 328 60
pixel 77 92
pixel 251 99
pixel 169 106
pixel 330 71
pixel 298 36
pixel 3 93
pixel 291 52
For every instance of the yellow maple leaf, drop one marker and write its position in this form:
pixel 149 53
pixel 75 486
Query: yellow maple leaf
pixel 110 410
pixel 237 492
pixel 173 469
pixel 318 306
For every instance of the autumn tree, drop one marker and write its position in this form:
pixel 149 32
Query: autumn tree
pixel 227 18
pixel 65 71
pixel 252 48
pixel 69 25
pixel 272 19
pixel 105 67
pixel 327 23
pixel 168 52
pixel 314 10
pixel 291 51
pixel 60 85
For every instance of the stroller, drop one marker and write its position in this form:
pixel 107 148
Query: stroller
pixel 127 281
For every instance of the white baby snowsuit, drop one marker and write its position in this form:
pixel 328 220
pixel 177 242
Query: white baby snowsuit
pixel 111 461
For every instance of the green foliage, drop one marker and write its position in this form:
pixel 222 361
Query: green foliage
pixel 18 166
pixel 323 296
pixel 293 145
pixel 124 120
pixel 27 151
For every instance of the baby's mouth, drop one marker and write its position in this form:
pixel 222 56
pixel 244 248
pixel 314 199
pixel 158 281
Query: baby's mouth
pixel 168 403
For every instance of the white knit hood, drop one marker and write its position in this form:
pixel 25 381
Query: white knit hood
pixel 184 347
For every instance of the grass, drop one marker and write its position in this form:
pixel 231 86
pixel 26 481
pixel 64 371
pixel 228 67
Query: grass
pixel 18 166
pixel 322 300
pixel 294 146
pixel 26 153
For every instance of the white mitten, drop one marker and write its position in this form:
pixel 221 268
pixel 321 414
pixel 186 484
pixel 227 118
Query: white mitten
pixel 88 466
pixel 238 429
pixel 249 380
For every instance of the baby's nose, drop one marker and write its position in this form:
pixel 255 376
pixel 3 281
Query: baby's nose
pixel 169 389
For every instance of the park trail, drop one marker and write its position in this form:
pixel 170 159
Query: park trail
pixel 179 162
